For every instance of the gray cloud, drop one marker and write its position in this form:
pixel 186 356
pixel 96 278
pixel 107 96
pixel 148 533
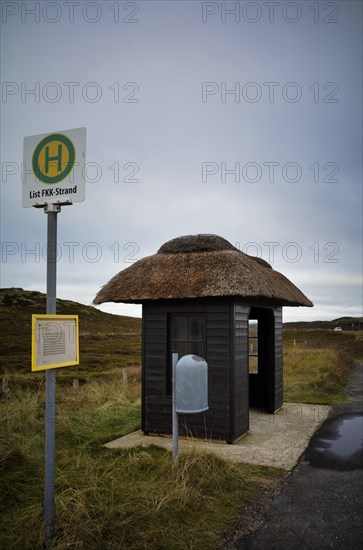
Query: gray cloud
pixel 150 124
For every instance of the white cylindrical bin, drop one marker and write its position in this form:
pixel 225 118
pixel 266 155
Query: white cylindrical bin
pixel 191 379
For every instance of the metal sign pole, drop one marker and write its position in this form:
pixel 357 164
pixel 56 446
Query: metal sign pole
pixel 175 420
pixel 50 171
pixel 51 210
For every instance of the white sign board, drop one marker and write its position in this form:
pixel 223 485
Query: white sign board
pixel 54 341
pixel 54 168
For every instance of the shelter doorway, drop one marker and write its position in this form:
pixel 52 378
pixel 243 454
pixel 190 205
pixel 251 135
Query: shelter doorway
pixel 261 358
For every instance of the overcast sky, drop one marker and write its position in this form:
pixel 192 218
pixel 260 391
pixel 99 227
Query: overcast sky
pixel 236 118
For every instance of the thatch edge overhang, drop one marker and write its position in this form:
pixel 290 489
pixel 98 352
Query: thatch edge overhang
pixel 196 275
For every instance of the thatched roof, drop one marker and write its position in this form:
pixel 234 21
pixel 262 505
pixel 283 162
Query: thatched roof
pixel 200 266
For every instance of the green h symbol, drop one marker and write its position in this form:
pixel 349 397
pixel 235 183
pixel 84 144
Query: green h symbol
pixel 57 157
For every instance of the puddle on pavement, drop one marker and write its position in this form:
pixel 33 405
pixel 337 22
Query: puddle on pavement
pixel 338 444
pixel 349 437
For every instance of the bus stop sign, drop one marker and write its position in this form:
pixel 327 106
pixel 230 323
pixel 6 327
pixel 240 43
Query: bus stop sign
pixel 54 168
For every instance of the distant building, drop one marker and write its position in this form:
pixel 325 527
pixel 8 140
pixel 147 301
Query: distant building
pixel 201 295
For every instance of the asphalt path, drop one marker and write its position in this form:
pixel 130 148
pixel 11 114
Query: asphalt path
pixel 320 505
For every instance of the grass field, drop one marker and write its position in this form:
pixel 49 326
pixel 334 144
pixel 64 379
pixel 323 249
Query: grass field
pixel 106 498
pixel 128 499
pixel 317 364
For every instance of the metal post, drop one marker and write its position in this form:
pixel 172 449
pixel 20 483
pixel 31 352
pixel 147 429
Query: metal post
pixel 51 210
pixel 174 413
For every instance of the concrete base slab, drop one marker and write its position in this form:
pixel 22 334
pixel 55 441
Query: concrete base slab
pixel 273 440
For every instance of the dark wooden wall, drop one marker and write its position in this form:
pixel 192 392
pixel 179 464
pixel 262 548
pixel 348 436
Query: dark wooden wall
pixel 278 381
pixel 239 385
pixel 226 322
pixel 156 416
